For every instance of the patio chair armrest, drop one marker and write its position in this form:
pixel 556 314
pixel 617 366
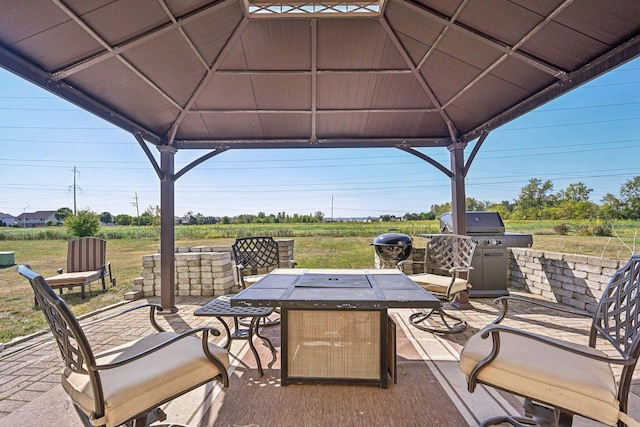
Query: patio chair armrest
pixel 60 270
pixel 153 308
pixel 504 301
pixel 292 263
pixel 454 270
pixel 493 331
pixel 407 261
pixel 206 330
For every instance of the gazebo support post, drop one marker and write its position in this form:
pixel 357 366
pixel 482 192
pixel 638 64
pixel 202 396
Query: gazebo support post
pixel 167 227
pixel 458 206
pixel 458 194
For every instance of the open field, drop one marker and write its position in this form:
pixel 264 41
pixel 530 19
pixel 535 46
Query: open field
pixel 316 245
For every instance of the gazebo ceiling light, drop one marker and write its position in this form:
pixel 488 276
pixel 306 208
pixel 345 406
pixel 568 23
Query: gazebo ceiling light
pixel 364 8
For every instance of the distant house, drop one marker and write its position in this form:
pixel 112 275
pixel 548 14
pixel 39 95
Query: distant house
pixel 37 219
pixel 184 220
pixel 7 219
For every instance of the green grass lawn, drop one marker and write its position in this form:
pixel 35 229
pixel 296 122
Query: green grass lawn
pixel 316 246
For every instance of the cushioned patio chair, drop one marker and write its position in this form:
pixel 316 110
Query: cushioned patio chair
pixel 127 383
pixel 557 378
pixel 446 266
pixel 86 263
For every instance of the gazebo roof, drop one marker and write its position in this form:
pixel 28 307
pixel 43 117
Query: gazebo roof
pixel 242 74
pixel 226 74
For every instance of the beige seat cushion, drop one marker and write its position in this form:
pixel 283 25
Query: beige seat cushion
pixel 139 385
pixel 437 284
pixel 79 278
pixel 250 280
pixel 548 374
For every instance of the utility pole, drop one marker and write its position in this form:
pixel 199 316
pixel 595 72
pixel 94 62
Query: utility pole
pixel 75 187
pixel 331 208
pixel 135 203
pixel 24 216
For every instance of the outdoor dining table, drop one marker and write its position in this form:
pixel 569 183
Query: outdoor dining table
pixel 335 327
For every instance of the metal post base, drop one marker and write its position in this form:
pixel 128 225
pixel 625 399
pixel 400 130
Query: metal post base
pixel 515 421
pixel 547 416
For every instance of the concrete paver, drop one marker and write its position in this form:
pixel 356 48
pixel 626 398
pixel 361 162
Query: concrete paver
pixel 30 368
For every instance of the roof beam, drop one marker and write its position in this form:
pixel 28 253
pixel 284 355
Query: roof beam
pixel 237 32
pixel 106 45
pixel 623 53
pixel 444 31
pixel 112 51
pixel 486 39
pixel 314 79
pixel 317 111
pixel 453 132
pixel 504 56
pixel 306 143
pixel 319 71
pixel 37 76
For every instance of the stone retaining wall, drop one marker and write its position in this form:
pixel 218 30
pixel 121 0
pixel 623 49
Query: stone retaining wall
pixel 200 271
pixel 574 280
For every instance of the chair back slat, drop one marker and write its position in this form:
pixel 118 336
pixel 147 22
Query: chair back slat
pixel 446 251
pixel 255 253
pixel 71 340
pixel 617 316
pixel 86 254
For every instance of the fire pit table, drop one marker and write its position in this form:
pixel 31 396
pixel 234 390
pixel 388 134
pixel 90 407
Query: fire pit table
pixel 335 327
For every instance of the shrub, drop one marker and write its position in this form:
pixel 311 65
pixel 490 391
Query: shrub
pixel 584 230
pixel 84 223
pixel 561 229
pixel 605 230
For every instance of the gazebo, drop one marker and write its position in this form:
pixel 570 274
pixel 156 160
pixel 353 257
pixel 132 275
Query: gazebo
pixel 218 75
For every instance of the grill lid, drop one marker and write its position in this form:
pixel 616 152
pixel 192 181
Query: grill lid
pixel 392 239
pixel 478 222
pixel 393 247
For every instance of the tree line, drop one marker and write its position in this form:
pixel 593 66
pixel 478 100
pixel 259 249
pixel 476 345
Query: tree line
pixel 536 201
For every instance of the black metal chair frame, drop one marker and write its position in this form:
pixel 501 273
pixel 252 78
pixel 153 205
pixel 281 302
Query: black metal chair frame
pixel 616 320
pixel 255 256
pixel 79 357
pixel 447 255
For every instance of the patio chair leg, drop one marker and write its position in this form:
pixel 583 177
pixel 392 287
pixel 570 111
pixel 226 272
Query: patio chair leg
pixel 547 416
pixel 419 320
pixel 264 321
pixel 515 421
pixel 149 418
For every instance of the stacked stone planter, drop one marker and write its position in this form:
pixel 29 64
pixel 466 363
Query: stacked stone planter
pixel 199 271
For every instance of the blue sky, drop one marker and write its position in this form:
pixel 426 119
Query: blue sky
pixel 591 135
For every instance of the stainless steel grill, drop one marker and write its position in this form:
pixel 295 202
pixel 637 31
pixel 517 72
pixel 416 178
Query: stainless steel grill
pixel 489 275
